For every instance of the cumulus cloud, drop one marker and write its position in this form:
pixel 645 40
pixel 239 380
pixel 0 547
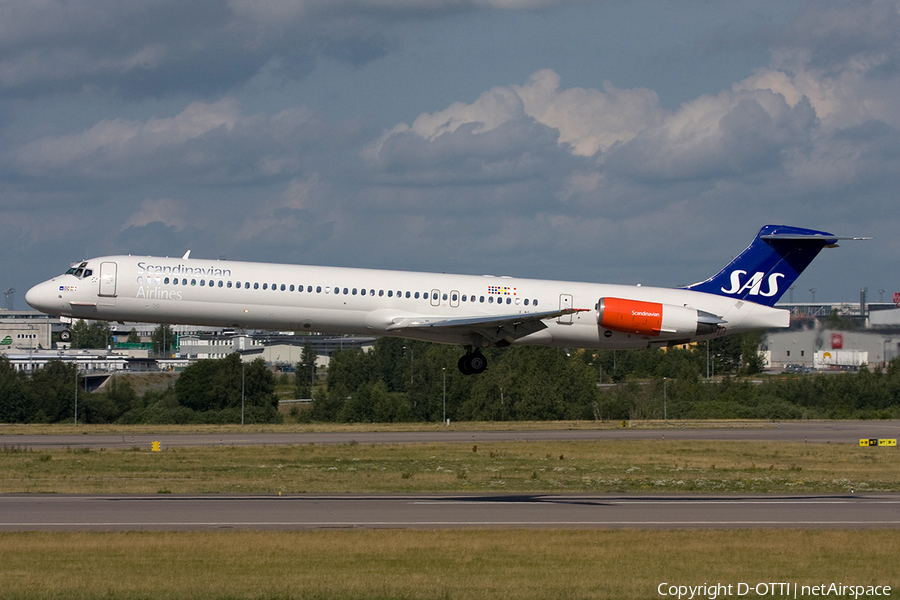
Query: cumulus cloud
pixel 586 120
pixel 206 142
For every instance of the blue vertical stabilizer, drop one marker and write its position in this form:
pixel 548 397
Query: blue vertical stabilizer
pixel 769 265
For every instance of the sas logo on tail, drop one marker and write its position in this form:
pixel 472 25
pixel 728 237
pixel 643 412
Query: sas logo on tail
pixel 753 284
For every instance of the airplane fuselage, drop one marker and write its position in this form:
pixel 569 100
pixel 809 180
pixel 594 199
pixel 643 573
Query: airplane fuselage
pixel 381 302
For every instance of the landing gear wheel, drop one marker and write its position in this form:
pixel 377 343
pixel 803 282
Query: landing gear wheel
pixel 463 365
pixel 473 363
pixel 65 336
pixel 477 363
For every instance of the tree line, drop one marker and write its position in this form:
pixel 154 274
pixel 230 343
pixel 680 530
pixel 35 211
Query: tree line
pixel 209 391
pixel 402 380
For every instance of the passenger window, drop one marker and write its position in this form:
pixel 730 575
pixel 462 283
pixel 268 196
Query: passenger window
pixel 221 283
pixel 337 290
pixel 509 300
pixel 140 279
pixel 318 289
pixel 407 294
pixel 481 299
pixel 362 292
pixel 380 293
pixel 345 291
pixel 535 302
pixel 282 287
pixel 454 297
pixel 166 281
pixel 202 282
pixel 292 287
pixel 390 293
pixel 526 301
pixel 371 292
pixel 184 282
pixel 445 295
pixel 309 289
pixel 265 286
pixel 256 286
pixel 229 285
pixel 417 295
pixel 354 291
pixel 490 299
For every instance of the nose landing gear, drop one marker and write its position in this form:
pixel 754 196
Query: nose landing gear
pixel 473 363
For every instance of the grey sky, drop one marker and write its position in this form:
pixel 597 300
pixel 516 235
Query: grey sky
pixel 622 141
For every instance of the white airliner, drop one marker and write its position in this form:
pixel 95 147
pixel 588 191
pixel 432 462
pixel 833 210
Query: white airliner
pixel 473 311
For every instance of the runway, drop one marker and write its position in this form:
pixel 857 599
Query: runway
pixel 437 511
pixel 22 512
pixel 822 432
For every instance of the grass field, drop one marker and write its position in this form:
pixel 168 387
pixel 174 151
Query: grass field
pixel 414 564
pixel 390 564
pixel 645 466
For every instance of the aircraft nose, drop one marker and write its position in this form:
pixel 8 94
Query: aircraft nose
pixel 33 297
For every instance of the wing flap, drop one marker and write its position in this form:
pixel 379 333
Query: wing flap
pixel 500 329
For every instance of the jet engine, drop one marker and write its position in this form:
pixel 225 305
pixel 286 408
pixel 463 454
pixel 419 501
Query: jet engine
pixel 654 318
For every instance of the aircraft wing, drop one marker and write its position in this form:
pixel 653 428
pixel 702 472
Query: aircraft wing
pixel 501 329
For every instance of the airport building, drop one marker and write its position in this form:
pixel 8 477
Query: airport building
pixel 26 330
pixel 27 340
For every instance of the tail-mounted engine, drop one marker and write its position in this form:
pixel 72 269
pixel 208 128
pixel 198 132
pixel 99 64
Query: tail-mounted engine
pixel 654 319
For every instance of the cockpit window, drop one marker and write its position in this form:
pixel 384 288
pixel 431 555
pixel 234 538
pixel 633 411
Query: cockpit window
pixel 79 270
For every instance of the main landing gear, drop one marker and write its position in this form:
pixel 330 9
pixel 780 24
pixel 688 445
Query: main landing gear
pixel 473 363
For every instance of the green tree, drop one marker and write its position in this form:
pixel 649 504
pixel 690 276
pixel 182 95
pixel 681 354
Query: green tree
pixel 97 334
pixel 305 371
pixel 133 337
pixel 52 391
pixel 751 361
pixel 210 386
pixel 163 340
pixel 14 403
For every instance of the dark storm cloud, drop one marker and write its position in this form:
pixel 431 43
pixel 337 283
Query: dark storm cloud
pixel 832 37
pixel 140 49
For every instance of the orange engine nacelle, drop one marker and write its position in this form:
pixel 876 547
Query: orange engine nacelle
pixel 653 318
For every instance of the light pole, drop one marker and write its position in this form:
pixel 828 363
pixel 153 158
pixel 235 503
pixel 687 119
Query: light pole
pixel 665 402
pixel 444 371
pixel 76 393
pixel 242 391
